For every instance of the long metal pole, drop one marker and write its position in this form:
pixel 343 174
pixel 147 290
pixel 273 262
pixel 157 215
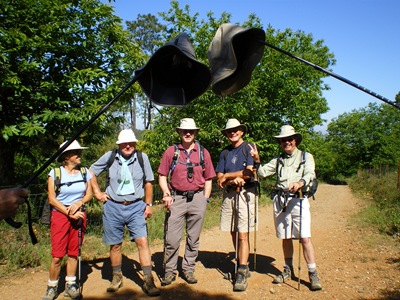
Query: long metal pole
pixel 380 97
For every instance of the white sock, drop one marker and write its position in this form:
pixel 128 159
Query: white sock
pixel 70 279
pixel 312 267
pixel 52 283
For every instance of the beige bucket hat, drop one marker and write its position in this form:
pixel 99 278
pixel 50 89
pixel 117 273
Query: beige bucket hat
pixel 233 123
pixel 187 124
pixel 286 131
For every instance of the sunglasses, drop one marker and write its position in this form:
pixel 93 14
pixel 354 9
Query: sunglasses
pixel 233 130
pixel 190 131
pixel 289 139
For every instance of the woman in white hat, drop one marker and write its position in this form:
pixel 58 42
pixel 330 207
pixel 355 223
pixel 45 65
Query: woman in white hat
pixel 68 192
pixel 295 171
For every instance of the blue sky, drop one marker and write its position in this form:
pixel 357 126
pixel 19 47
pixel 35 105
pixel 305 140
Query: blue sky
pixel 363 35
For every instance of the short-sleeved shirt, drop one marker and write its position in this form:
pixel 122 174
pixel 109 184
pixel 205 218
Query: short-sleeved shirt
pixel 179 176
pixel 234 160
pixel 70 193
pixel 115 169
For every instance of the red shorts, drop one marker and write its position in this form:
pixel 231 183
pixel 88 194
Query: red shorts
pixel 64 235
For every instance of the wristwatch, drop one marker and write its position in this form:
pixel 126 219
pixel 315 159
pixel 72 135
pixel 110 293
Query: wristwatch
pixel 149 204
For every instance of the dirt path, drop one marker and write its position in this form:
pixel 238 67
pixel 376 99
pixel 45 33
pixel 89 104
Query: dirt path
pixel 349 269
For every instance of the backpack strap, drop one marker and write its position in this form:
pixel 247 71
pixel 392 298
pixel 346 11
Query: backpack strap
pixel 57 180
pixel 174 160
pixel 111 160
pixel 303 160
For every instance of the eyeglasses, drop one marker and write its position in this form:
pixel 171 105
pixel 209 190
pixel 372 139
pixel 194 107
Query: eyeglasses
pixel 190 131
pixel 76 152
pixel 130 144
pixel 289 139
pixel 233 130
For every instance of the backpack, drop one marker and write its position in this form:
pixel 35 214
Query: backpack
pixel 46 213
pixel 111 161
pixel 174 160
pixel 313 185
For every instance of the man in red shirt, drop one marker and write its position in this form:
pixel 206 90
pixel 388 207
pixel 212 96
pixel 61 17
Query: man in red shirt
pixel 185 197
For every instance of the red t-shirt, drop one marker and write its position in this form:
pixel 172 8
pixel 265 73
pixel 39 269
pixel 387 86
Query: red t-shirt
pixel 179 176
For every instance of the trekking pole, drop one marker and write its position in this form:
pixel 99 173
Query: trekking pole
pixel 237 228
pixel 167 215
pixel 80 224
pixel 255 216
pixel 301 217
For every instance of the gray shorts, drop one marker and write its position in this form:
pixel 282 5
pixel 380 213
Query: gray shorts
pixel 287 223
pixel 248 208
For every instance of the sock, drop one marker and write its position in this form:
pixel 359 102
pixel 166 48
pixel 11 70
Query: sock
pixel 147 270
pixel 312 267
pixel 70 279
pixel 289 262
pixel 52 283
pixel 117 269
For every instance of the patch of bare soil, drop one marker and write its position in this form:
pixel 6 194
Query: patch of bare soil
pixel 350 267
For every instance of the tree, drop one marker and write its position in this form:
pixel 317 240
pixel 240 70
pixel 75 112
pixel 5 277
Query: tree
pixel 282 90
pixel 368 137
pixel 60 62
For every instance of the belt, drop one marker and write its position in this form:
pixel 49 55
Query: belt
pixel 180 193
pixel 125 202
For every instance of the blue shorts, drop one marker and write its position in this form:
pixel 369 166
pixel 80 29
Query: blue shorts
pixel 116 216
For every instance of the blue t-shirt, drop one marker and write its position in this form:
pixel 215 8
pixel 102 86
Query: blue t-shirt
pixel 235 159
pixel 70 193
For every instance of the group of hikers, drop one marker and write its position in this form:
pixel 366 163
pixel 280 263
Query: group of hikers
pixel 185 177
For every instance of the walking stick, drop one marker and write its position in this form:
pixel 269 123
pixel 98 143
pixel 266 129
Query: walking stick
pixel 237 227
pixel 301 217
pixel 80 224
pixel 255 216
pixel 167 215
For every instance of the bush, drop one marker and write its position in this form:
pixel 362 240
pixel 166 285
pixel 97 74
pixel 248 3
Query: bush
pixel 382 192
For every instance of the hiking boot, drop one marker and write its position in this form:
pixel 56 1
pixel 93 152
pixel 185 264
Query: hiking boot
pixel 189 277
pixel 116 282
pixel 286 275
pixel 168 279
pixel 315 285
pixel 51 293
pixel 149 287
pixel 241 281
pixel 248 272
pixel 72 291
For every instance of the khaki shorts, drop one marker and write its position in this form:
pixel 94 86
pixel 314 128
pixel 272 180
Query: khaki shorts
pixel 287 223
pixel 247 210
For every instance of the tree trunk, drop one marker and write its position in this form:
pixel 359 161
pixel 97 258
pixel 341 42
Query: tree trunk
pixel 7 163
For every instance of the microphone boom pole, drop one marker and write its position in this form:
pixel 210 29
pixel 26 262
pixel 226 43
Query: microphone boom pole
pixel 333 75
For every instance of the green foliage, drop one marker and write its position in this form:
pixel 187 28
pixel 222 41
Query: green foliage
pixel 61 61
pixel 16 250
pixel 384 211
pixel 281 90
pixel 366 137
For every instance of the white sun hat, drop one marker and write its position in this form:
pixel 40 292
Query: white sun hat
pixel 187 124
pixel 73 146
pixel 126 136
